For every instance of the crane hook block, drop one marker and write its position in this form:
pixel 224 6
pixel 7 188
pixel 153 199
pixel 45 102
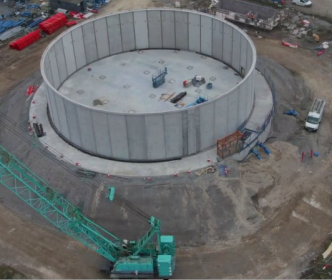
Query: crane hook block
pixel 111 193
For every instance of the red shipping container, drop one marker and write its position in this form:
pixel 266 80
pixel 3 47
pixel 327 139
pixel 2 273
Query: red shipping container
pixel 26 40
pixel 54 23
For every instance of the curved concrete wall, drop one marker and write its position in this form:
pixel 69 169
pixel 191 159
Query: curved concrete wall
pixel 155 136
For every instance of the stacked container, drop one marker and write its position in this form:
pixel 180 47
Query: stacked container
pixel 53 24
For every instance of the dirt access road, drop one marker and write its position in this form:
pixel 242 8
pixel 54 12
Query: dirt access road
pixel 268 220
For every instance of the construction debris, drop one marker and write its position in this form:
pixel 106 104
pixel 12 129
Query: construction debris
pixel 223 170
pixel 209 169
pixel 178 97
pixel 290 45
pixel 291 113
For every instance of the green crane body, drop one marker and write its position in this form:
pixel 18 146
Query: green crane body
pixel 145 258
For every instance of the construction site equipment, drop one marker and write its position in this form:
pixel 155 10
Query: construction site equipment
pixel 187 83
pixel 151 256
pixel 35 22
pixel 38 129
pixel 209 86
pixel 291 112
pixel 10 33
pixel 166 96
pixel 158 78
pixel 197 81
pixel 53 24
pixel 178 97
pixel 26 40
pixel 201 99
pixel 264 147
pixel 259 157
pixel 8 24
pixel 230 144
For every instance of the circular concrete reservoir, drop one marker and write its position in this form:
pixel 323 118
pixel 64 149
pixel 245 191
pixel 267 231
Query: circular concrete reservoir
pixel 100 94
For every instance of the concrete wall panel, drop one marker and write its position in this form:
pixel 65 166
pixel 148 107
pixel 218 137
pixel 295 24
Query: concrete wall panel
pixel 54 68
pixel 242 103
pixel 61 61
pixel 100 26
pixel 47 69
pixel 69 53
pixel 174 135
pixel 114 34
pixel 137 137
pixel 119 137
pixel 221 118
pixel 90 44
pixel 155 32
pixel 155 137
pixel 206 122
pixel 243 54
pixel 249 59
pixel 79 50
pixel 233 112
pixel 168 29
pixel 236 54
pixel 52 107
pixel 141 30
pixel 60 107
pixel 194 32
pixel 86 129
pixel 206 35
pixel 149 137
pixel 191 143
pixel 73 127
pixel 228 44
pixel 128 32
pixel 101 130
pixel 217 39
pixel 181 30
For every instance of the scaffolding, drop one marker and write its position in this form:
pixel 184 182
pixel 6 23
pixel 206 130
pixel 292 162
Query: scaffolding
pixel 229 145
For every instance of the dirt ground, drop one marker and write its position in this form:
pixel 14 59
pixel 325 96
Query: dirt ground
pixel 269 219
pixel 319 8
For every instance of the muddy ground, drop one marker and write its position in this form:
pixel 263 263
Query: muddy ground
pixel 269 219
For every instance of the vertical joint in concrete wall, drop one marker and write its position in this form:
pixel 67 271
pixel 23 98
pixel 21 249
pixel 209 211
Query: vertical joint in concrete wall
pixel 197 118
pixel 185 131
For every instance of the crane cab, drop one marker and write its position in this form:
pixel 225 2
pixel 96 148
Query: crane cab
pixel 152 262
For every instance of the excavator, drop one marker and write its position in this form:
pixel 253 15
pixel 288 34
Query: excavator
pixel 152 256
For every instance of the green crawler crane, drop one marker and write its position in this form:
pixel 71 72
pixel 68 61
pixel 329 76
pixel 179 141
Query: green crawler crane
pixel 153 255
